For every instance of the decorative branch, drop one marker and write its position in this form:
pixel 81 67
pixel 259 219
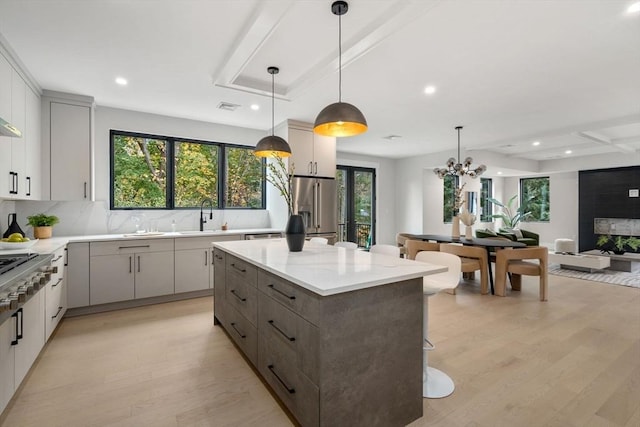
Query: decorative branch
pixel 281 178
pixel 459 199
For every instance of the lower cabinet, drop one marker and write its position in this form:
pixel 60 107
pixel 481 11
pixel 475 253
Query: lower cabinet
pixel 21 338
pixel 77 274
pixel 121 271
pixel 55 295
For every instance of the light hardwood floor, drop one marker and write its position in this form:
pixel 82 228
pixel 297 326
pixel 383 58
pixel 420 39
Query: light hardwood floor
pixel 516 361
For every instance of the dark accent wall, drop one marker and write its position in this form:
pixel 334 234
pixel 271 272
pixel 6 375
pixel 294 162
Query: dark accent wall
pixel 604 193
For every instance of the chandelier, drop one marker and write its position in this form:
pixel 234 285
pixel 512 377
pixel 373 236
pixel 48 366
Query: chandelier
pixel 455 168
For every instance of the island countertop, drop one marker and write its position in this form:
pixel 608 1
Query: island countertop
pixel 326 269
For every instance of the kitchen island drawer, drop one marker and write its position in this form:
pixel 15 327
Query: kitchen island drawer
pixel 290 295
pixel 242 297
pixel 281 327
pixel 243 333
pixel 241 270
pixel 130 246
pixel 296 391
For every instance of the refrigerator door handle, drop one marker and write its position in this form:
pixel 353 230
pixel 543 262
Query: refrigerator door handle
pixel 314 217
pixel 318 207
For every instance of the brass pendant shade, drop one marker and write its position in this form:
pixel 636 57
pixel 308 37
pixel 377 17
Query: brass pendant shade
pixel 340 119
pixel 272 145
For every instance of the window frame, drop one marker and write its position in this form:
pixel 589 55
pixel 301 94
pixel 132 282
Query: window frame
pixel 170 165
pixel 523 203
pixel 486 211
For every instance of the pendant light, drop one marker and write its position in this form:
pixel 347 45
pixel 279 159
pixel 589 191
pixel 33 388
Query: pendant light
pixel 272 145
pixel 340 118
pixel 455 168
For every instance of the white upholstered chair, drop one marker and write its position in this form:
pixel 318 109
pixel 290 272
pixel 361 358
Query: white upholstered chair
pixel 385 249
pixel 435 383
pixel 347 245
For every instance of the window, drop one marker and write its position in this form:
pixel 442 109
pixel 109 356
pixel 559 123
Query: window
pixel 534 198
pixel 450 183
pixel 156 172
pixel 486 192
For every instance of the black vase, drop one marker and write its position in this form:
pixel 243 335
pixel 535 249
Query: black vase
pixel 295 233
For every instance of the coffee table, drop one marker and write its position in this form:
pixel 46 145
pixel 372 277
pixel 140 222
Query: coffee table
pixel 580 262
pixel 629 262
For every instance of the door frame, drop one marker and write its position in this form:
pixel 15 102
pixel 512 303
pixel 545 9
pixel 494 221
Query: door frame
pixel 350 208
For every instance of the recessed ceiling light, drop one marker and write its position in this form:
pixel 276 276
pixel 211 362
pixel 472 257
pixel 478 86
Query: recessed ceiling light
pixel 430 90
pixel 392 137
pixel 121 81
pixel 255 107
pixel 634 8
pixel 536 143
pixel 568 152
pixel 499 172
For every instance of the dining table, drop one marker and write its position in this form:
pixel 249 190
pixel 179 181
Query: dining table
pixel 484 242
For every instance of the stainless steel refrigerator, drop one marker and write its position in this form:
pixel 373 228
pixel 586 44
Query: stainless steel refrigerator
pixel 316 199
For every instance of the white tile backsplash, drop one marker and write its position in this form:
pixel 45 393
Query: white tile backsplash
pixel 90 218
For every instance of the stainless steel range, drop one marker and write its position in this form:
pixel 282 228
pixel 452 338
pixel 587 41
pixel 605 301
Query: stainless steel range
pixel 21 275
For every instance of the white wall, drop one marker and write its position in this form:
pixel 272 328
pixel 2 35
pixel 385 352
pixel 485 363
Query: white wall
pixel 385 192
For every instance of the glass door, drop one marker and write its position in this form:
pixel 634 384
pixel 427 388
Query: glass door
pixel 356 205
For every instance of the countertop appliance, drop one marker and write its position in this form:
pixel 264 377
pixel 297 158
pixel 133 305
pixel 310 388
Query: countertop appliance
pixel 21 276
pixel 316 199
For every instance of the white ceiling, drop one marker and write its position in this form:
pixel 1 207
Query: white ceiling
pixel 562 72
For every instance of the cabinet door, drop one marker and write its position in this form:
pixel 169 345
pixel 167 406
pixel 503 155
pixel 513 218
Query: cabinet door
pixel 32 340
pixel 18 106
pixel 324 156
pixel 192 270
pixel 154 274
pixel 32 179
pixel 111 278
pixel 301 142
pixel 5 141
pixel 70 152
pixel 7 358
pixel 77 272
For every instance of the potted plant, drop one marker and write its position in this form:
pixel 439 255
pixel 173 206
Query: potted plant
pixel 42 225
pixel 510 217
pixel 617 244
pixel 281 178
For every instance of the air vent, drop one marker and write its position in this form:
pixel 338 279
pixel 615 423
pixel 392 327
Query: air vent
pixel 228 106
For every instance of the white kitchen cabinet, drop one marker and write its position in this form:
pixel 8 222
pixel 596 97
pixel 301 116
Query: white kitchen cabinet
pixel 77 274
pixel 67 145
pixel 32 341
pixel 55 294
pixel 32 137
pixel 18 110
pixel 7 361
pixel 124 270
pixel 312 154
pixel 6 178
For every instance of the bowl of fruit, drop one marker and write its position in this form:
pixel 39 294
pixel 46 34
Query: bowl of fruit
pixel 17 241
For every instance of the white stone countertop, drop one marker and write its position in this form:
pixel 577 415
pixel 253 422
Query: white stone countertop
pixel 326 269
pixel 47 246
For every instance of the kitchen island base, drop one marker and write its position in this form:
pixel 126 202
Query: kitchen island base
pixel 353 358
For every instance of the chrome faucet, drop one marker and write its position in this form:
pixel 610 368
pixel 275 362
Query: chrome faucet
pixel 202 218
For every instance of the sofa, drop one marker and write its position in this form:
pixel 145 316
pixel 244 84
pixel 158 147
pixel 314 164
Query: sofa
pixel 529 238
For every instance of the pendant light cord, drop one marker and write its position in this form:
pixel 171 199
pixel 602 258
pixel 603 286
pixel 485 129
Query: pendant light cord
pixel 339 58
pixel 458 145
pixel 273 104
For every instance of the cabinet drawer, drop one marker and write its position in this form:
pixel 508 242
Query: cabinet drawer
pixel 296 391
pixel 281 327
pixel 294 297
pixel 242 332
pixel 130 246
pixel 242 270
pixel 242 297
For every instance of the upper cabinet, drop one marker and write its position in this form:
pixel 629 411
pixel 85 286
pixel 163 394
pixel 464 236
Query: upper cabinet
pixel 20 168
pixel 67 121
pixel 311 154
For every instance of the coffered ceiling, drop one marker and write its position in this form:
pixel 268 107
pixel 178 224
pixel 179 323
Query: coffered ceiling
pixel 563 73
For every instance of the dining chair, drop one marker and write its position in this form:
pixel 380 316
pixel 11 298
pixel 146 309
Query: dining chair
pixel 472 259
pixel 513 261
pixel 385 249
pixel 401 239
pixel 415 246
pixel 347 245
pixel 319 240
pixel 435 383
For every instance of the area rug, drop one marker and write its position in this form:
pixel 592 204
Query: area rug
pixel 606 276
